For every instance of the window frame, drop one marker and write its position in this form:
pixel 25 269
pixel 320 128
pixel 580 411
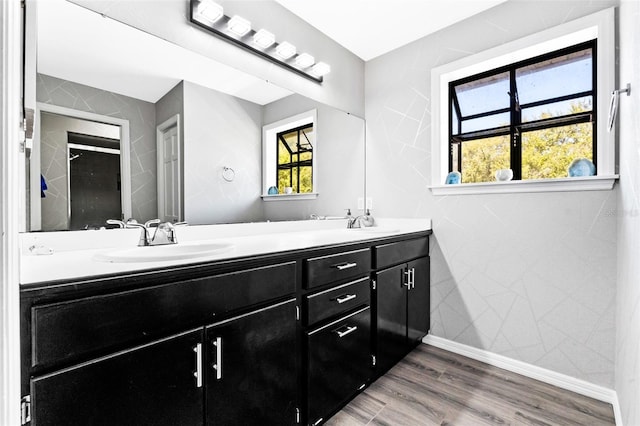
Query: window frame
pixel 516 127
pixel 599 26
pixel 297 163
pixel 269 155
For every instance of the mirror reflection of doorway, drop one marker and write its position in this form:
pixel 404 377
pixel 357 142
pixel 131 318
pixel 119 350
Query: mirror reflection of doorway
pixel 79 170
pixel 94 180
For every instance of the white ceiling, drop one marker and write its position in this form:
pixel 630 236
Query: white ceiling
pixel 370 28
pixel 80 45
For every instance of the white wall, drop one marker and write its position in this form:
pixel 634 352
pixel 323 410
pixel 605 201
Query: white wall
pixel 221 131
pixel 528 276
pixel 343 88
pixel 339 153
pixel 627 377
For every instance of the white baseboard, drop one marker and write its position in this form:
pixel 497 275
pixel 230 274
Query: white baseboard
pixel 538 373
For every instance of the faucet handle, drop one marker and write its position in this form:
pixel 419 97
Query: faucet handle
pixel 148 223
pixel 120 223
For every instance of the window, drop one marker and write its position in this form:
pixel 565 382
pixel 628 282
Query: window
pixel 541 109
pixel 295 159
pixel 534 117
pixel 289 157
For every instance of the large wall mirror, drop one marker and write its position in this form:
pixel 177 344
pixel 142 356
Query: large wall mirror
pixel 132 126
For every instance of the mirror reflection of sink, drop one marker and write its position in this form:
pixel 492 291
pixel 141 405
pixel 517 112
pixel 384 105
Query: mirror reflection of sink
pixel 180 251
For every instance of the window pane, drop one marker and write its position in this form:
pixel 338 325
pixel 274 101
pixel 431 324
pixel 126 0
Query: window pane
pixel 481 158
pixel 547 153
pixel 484 95
pixel 284 179
pixel 488 122
pixel 557 109
pixel 564 75
pixel 305 180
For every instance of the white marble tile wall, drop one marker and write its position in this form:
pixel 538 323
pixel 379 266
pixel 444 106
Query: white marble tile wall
pixel 528 276
pixel 142 123
pixel 627 377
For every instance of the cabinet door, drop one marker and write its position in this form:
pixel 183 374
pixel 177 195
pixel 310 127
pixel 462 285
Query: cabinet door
pixel 391 317
pixel 339 363
pixel 152 384
pixel 251 371
pixel 418 311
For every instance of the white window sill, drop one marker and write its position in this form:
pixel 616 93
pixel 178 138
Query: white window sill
pixel 587 183
pixel 290 197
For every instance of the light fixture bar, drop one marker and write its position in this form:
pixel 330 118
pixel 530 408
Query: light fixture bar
pixel 238 30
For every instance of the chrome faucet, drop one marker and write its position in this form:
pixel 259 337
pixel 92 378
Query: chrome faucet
pixel 361 221
pixel 164 233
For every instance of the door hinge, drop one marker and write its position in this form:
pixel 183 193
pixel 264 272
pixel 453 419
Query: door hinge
pixel 297 415
pixel 373 284
pixel 297 313
pixel 373 360
pixel 25 410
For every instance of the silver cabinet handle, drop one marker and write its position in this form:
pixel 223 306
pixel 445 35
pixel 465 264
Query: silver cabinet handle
pixel 198 373
pixel 343 266
pixel 345 298
pixel 413 277
pixel 407 282
pixel 349 330
pixel 218 364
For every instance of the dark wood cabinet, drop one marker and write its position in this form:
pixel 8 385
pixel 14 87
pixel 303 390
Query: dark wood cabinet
pixel 402 310
pixel 279 339
pixel 251 368
pixel 153 384
pixel 338 364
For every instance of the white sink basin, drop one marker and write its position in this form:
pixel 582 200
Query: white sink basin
pixel 180 251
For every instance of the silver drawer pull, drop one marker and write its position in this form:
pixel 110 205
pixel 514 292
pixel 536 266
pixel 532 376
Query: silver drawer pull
pixel 349 330
pixel 343 266
pixel 198 372
pixel 218 364
pixel 345 298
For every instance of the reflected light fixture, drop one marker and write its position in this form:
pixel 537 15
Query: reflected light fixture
pixel 210 16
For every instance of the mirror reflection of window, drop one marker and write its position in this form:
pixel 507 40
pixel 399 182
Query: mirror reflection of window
pixel 295 160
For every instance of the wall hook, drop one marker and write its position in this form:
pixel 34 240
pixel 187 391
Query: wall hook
pixel 228 174
pixel 613 106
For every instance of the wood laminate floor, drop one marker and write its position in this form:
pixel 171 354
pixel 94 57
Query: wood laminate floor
pixel 434 387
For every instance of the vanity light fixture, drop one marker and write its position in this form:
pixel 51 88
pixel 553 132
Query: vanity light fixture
pixel 304 60
pixel 285 50
pixel 239 26
pixel 320 69
pixel 210 16
pixel 264 38
pixel 209 11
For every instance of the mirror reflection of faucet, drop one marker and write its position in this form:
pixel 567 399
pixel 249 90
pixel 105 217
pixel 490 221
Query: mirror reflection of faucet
pixel 164 232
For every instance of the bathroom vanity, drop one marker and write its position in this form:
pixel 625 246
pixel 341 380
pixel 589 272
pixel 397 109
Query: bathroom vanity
pixel 285 332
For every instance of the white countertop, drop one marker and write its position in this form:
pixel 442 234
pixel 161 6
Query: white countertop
pixel 73 252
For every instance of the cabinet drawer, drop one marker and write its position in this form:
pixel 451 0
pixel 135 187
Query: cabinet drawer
pixel 70 330
pixel 402 251
pixel 339 363
pixel 326 269
pixel 328 303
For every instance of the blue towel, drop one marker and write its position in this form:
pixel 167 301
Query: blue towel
pixel 43 186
